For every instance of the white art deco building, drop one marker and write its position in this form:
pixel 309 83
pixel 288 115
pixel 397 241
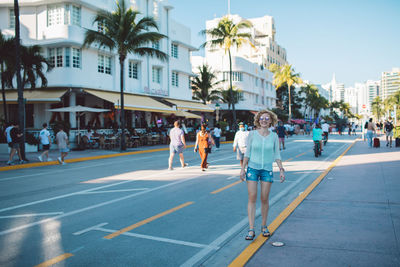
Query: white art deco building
pixel 91 77
pixel 249 64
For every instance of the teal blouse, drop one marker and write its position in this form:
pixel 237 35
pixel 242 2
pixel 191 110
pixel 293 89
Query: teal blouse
pixel 262 151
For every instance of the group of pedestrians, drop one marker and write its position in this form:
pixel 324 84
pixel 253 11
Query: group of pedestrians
pixel 14 139
pixel 371 132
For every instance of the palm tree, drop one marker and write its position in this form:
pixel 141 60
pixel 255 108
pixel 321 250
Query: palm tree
pixel 226 96
pixel 6 58
pixel 32 63
pixel 203 85
pixel 311 91
pixel 376 106
pixel 123 34
pixel 225 35
pixel 285 75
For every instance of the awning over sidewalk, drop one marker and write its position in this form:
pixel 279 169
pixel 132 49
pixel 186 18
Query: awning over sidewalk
pixel 34 96
pixel 190 105
pixel 132 102
pixel 188 115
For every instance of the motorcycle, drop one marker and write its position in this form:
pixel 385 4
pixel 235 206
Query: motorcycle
pixel 317 149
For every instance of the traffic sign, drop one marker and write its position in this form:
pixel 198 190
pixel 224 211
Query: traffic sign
pixel 364 106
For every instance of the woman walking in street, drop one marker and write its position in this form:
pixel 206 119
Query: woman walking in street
pixel 203 140
pixel 262 151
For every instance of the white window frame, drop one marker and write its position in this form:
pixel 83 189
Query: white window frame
pixel 54 14
pixel 75 16
pixel 11 18
pixel 174 50
pixel 67 53
pixel 51 52
pixel 156 45
pixel 156 75
pixel 133 70
pixel 59 57
pixel 175 79
pixel 76 57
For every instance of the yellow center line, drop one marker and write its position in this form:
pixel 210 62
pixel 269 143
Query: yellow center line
pixel 55 260
pixel 246 254
pixel 136 225
pixel 226 187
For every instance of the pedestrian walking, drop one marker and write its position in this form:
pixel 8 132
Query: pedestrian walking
pixel 262 150
pixel 325 129
pixel 203 145
pixel 217 135
pixel 370 131
pixel 389 131
pixel 62 142
pixel 240 143
pixel 45 140
pixel 177 145
pixel 8 135
pixel 15 135
pixel 280 130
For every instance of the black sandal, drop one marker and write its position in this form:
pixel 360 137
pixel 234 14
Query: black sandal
pixel 265 231
pixel 250 236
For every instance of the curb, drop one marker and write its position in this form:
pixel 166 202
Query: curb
pixel 55 162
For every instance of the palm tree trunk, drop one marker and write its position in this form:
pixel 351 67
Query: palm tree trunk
pixel 3 92
pixel 21 104
pixel 290 102
pixel 121 63
pixel 231 91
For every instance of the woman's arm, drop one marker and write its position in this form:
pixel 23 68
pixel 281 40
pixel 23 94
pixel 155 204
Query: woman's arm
pixel 243 170
pixel 281 170
pixel 197 142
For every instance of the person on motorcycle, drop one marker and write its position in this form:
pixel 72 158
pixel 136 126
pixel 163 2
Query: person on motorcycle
pixel 317 134
pixel 325 129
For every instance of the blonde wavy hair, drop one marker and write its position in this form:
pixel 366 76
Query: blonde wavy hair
pixel 272 116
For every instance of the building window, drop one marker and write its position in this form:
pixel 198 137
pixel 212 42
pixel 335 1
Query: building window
pixel 76 15
pixel 12 18
pixel 174 50
pixel 133 70
pixel 59 57
pixel 156 74
pixel 51 56
pixel 236 76
pixel 67 56
pixel 156 45
pixel 104 64
pixel 76 58
pixel 256 99
pixel 256 81
pixel 175 79
pixel 54 15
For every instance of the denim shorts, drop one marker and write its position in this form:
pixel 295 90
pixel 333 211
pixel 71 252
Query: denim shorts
pixel 259 175
pixel 64 150
pixel 176 149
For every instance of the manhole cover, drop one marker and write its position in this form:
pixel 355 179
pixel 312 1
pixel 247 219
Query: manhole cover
pixel 278 244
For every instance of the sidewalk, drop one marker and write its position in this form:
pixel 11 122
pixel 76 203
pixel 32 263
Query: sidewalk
pixel 76 155
pixel 352 218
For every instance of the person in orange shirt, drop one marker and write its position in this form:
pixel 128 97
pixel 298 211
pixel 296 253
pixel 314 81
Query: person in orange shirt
pixel 203 140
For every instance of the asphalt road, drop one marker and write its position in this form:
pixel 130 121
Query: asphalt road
pixel 132 211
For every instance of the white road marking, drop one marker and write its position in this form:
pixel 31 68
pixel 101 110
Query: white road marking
pixel 115 191
pixel 94 227
pixel 239 226
pixel 92 207
pixel 162 239
pixel 30 215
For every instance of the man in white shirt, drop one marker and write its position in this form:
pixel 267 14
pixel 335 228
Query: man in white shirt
pixel 325 129
pixel 45 140
pixel 240 143
pixel 217 135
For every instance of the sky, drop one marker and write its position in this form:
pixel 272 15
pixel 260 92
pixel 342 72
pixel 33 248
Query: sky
pixel 355 39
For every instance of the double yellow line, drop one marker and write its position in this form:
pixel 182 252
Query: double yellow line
pixel 246 254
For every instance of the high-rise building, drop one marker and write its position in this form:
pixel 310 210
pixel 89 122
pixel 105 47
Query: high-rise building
pixel 373 89
pixel 390 82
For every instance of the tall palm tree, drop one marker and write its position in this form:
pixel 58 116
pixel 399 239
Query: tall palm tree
pixel 310 91
pixel 225 35
pixel 123 33
pixel 203 85
pixel 6 58
pixel 285 75
pixel 377 107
